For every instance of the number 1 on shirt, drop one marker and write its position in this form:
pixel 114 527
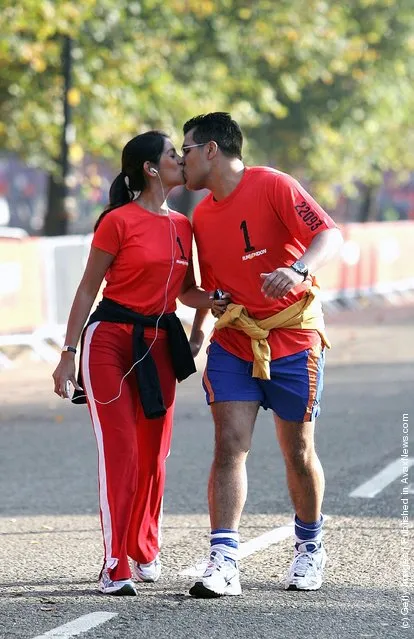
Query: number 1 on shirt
pixel 182 256
pixel 248 246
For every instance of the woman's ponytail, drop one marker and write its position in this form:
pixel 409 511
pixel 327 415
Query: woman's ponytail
pixel 119 194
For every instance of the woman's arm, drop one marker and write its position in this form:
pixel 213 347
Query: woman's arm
pixel 194 296
pixel 191 294
pixel 98 263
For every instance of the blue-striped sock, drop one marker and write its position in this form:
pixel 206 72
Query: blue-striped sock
pixel 308 536
pixel 227 542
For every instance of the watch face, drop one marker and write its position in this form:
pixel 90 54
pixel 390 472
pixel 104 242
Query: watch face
pixel 300 267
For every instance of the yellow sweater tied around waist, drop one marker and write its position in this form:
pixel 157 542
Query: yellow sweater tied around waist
pixel 304 314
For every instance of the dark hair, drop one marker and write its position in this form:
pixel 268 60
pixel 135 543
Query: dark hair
pixel 145 147
pixel 219 127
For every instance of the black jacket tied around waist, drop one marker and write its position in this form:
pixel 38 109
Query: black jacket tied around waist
pixel 146 373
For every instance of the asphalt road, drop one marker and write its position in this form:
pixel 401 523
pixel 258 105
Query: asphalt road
pixel 50 544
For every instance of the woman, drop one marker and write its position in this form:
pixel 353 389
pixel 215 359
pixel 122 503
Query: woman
pixel 133 351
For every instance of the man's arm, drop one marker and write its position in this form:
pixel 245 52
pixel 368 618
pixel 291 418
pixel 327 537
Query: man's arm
pixel 324 246
pixel 197 331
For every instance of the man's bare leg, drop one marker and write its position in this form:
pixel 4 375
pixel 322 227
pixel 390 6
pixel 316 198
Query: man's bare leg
pixel 306 484
pixel 227 489
pixel 305 478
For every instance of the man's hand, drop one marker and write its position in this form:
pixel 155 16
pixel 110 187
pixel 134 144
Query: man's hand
pixel 280 282
pixel 196 340
pixel 195 347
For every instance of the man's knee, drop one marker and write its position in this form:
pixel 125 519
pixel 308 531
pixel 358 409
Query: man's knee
pixel 231 446
pixel 301 458
pixel 234 423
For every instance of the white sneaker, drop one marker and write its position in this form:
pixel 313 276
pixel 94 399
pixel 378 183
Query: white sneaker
pixel 306 571
pixel 121 588
pixel 149 573
pixel 221 577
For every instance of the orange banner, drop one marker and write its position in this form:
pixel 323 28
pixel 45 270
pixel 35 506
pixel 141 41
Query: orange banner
pixel 375 257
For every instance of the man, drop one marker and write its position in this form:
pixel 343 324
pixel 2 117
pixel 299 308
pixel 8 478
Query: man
pixel 260 236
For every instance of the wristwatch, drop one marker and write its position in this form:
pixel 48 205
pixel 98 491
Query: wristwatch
pixel 71 349
pixel 301 268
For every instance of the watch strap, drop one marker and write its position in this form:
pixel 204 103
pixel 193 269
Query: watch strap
pixel 70 349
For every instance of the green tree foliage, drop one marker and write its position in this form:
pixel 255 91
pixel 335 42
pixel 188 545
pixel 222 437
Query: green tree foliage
pixel 322 89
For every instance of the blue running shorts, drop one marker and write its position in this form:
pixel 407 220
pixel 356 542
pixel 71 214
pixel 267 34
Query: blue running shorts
pixel 293 392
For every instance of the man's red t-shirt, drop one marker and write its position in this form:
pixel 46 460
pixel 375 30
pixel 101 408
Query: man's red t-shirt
pixel 145 246
pixel 267 222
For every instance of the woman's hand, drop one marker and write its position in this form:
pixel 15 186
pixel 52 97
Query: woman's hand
pixel 65 372
pixel 98 264
pixel 218 307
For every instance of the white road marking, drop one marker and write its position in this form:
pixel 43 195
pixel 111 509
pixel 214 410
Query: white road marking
pixel 249 547
pixel 264 541
pixel 77 626
pixel 381 480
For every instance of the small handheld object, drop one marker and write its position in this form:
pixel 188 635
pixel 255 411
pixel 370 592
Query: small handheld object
pixel 218 294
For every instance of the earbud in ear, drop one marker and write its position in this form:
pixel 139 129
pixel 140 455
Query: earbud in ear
pixel 153 171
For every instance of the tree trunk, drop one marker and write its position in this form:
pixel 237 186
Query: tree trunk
pixel 368 210
pixel 56 222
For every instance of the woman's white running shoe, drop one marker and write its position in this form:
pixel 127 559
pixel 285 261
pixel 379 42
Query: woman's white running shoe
pixel 149 573
pixel 120 588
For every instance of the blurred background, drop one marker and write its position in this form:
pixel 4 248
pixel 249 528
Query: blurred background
pixel 322 91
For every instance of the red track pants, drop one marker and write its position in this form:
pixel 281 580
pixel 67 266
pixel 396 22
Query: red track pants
pixel 131 449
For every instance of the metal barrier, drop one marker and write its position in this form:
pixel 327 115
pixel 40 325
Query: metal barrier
pixel 39 278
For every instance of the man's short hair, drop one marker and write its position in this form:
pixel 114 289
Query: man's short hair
pixel 219 127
